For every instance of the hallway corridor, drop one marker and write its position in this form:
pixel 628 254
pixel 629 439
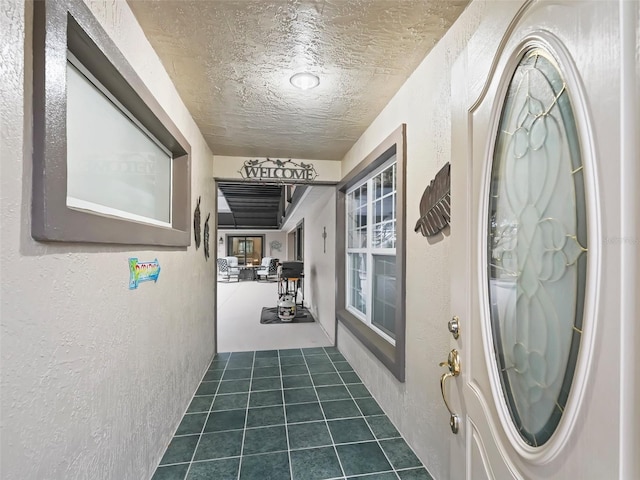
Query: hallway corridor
pixel 239 328
pixel 299 414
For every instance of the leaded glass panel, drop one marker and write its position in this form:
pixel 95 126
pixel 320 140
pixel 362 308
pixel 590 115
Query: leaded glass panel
pixel 537 247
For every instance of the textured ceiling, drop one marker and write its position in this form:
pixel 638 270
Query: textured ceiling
pixel 231 61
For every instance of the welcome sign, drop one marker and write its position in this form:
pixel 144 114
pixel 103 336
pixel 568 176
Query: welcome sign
pixel 278 170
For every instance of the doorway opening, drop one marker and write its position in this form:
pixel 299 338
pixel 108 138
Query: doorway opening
pixel 290 223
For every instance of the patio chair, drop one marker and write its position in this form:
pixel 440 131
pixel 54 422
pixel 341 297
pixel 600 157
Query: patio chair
pixel 228 267
pixel 268 269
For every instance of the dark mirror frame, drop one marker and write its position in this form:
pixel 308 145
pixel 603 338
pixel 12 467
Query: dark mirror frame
pixel 58 26
pixel 392 356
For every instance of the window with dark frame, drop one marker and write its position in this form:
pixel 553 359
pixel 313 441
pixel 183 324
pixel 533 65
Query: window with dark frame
pixel 299 242
pixel 371 250
pixel 371 253
pixel 68 38
pixel 128 176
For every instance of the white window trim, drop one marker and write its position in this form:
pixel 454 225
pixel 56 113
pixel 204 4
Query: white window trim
pixel 369 251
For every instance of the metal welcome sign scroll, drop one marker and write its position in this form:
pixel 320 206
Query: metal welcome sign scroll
pixel 435 204
pixel 278 170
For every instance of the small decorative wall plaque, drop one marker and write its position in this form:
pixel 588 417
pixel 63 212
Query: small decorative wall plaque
pixel 196 224
pixel 435 204
pixel 206 237
pixel 142 272
pixel 324 238
pixel 278 170
pixel 275 245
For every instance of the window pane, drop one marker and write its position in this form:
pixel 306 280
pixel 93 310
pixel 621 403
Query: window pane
pixel 363 195
pixel 362 238
pixel 113 167
pixel 350 212
pixel 362 217
pixel 350 238
pixel 376 239
pixel 355 197
pixel 356 281
pixel 358 239
pixel 377 212
pixel 388 212
pixel 388 235
pixel 384 293
pixel 377 187
pixel 387 181
pixel 353 216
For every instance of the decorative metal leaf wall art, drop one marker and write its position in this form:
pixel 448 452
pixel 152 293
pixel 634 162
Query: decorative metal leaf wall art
pixel 206 237
pixel 196 224
pixel 435 204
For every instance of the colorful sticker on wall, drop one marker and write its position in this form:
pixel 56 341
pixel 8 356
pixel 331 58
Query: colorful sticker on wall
pixel 142 272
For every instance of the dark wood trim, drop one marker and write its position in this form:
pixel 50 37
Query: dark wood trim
pixel 393 357
pixel 69 24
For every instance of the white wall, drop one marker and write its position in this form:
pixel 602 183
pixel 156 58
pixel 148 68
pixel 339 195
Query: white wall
pixel 320 266
pixel 95 377
pixel 424 104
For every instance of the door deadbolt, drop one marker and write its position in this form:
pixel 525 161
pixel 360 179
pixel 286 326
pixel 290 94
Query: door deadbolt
pixel 454 327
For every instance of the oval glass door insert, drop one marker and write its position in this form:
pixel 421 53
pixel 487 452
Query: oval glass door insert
pixel 537 246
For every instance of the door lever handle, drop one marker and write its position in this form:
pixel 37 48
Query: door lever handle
pixel 453 363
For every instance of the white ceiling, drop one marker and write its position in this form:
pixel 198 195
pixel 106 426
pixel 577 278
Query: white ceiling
pixel 231 61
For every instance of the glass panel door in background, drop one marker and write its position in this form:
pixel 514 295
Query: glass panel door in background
pixel 248 250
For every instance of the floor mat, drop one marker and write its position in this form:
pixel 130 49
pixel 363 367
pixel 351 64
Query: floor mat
pixel 270 316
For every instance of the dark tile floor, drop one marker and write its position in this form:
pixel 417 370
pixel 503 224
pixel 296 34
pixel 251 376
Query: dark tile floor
pixel 299 414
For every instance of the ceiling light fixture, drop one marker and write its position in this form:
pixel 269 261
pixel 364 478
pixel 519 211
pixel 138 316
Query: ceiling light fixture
pixel 304 80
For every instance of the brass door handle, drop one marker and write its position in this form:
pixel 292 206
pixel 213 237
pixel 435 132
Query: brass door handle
pixel 453 363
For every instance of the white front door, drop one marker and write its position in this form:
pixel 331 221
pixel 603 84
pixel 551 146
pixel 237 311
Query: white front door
pixel 541 210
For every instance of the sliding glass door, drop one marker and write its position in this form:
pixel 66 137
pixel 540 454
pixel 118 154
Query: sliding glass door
pixel 249 250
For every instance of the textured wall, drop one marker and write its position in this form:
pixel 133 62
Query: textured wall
pixel 320 266
pixel 94 377
pixel 424 104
